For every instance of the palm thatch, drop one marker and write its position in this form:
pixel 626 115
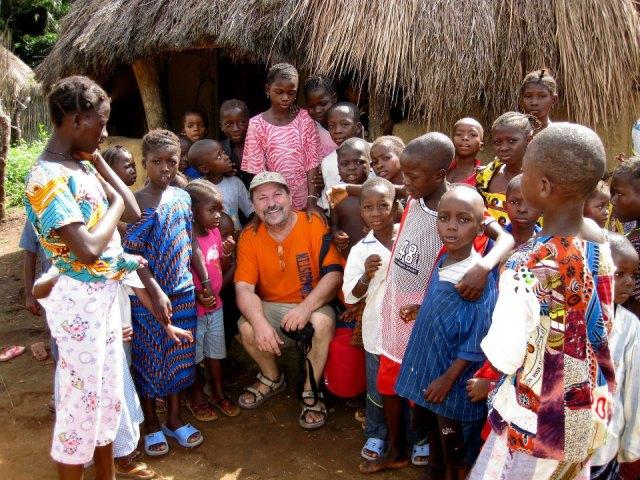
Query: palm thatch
pixel 439 57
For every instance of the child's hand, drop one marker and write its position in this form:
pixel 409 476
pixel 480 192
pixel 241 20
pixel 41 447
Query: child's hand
pixel 89 157
pixel 473 282
pixel 478 389
pixel 32 304
pixel 127 333
pixel 337 194
pixel 371 265
pixel 341 239
pixel 162 309
pixel 352 312
pixel 438 390
pixel 228 246
pixel 178 335
pixel 408 313
pixel 206 298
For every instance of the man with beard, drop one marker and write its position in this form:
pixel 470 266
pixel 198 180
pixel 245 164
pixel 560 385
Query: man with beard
pixel 282 284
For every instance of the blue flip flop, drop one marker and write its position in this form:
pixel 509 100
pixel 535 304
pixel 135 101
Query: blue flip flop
pixel 182 434
pixel 155 438
pixel 420 449
pixel 374 445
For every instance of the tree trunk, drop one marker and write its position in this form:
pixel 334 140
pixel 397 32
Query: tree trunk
pixel 5 137
pixel 147 76
pixel 379 116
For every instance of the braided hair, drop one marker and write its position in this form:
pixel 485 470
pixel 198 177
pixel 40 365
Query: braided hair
pixel 112 154
pixel 524 122
pixel 74 94
pixel 281 70
pixel 158 139
pixel 542 77
pixel 319 82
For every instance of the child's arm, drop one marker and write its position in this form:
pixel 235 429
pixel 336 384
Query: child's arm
pixel 339 193
pixel 159 303
pixel 371 266
pixel 312 198
pixel 228 249
pixel 472 284
pixel 175 333
pixel 42 287
pixel 31 303
pixel 87 245
pixel 340 237
pixel 207 298
pixel 438 390
pixel 131 212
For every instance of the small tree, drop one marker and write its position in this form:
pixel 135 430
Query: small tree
pixel 5 136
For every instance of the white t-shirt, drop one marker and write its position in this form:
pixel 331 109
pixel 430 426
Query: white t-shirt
pixel 235 198
pixel 354 269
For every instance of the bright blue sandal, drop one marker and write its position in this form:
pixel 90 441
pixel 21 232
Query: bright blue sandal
pixel 155 438
pixel 182 434
pixel 420 454
pixel 373 445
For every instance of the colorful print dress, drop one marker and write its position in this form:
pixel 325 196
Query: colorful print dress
pixel 163 237
pixel 495 203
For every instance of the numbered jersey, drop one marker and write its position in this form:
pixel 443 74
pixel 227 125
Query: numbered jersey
pixel 413 258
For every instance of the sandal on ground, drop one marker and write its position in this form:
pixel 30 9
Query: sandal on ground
pixel 203 412
pixel 137 470
pixel 7 353
pixel 182 434
pixel 319 407
pixel 226 406
pixel 258 397
pixel 39 351
pixel 155 438
pixel 372 449
pixel 420 454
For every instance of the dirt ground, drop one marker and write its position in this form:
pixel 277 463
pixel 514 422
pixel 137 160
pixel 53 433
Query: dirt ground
pixel 263 444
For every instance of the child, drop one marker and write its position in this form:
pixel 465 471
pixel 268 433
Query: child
pixel 385 158
pixel 548 334
pixel 285 140
pixel 522 218
pixel 195 125
pixel 185 171
pixel 74 206
pixel 122 163
pixel 343 120
pixel 444 348
pixel 625 198
pixel 511 134
pixel 208 157
pixel 624 342
pixel 596 207
pixel 206 202
pixel 234 121
pixel 365 278
pixel 163 236
pixel 320 94
pixel 467 138
pixel 346 223
pixel 538 95
pixel 424 163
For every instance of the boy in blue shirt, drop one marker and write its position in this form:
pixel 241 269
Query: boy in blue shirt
pixel 444 349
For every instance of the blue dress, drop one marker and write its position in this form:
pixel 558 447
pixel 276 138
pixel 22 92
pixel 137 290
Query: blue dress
pixel 447 327
pixel 163 237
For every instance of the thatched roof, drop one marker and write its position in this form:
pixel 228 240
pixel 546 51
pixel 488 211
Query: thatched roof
pixel 17 81
pixel 440 56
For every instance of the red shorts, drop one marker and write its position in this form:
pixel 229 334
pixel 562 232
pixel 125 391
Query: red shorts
pixel 388 372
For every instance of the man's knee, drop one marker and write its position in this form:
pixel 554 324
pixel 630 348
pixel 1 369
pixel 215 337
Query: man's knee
pixel 246 333
pixel 323 325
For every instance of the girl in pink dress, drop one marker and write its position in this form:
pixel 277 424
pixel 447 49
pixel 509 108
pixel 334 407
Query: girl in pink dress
pixel 285 139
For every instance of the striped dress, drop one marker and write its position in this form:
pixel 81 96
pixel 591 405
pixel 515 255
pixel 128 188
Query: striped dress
pixel 291 150
pixel 163 237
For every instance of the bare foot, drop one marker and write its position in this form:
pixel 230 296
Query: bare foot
pixel 383 463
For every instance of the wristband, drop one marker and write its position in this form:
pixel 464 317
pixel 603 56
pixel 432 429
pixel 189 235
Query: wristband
pixel 312 196
pixel 227 254
pixel 206 282
pixel 363 282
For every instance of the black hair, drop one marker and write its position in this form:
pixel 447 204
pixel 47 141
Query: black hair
pixel 281 70
pixel 542 77
pixel 434 148
pixel 396 143
pixel 200 190
pixel 112 154
pixel 184 141
pixel 319 82
pixel 376 182
pixel 471 121
pixel 630 167
pixel 355 143
pixel 234 103
pixel 620 245
pixel 158 139
pixel 571 156
pixel 353 109
pixel 196 151
pixel 472 195
pixel 522 121
pixel 76 94
pixel 200 113
pixel 515 182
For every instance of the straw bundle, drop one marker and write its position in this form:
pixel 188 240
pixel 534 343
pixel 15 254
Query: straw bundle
pixel 600 58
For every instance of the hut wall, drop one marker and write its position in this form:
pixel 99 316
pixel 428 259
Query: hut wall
pixel 134 145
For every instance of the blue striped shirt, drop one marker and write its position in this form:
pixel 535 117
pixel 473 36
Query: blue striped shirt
pixel 447 327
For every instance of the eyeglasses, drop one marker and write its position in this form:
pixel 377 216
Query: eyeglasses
pixel 281 257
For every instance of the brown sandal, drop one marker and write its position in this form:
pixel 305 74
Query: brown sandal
pixel 203 412
pixel 226 406
pixel 136 470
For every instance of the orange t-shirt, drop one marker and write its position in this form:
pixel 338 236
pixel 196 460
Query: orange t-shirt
pixel 287 274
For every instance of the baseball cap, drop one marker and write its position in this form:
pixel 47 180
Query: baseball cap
pixel 268 177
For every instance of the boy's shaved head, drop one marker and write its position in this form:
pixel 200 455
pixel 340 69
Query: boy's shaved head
pixel 199 150
pixel 467 194
pixel 346 107
pixel 380 184
pixel 354 143
pixel 514 184
pixel 472 122
pixel 434 149
pixel 571 156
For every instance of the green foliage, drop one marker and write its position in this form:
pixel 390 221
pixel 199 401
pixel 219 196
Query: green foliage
pixel 21 158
